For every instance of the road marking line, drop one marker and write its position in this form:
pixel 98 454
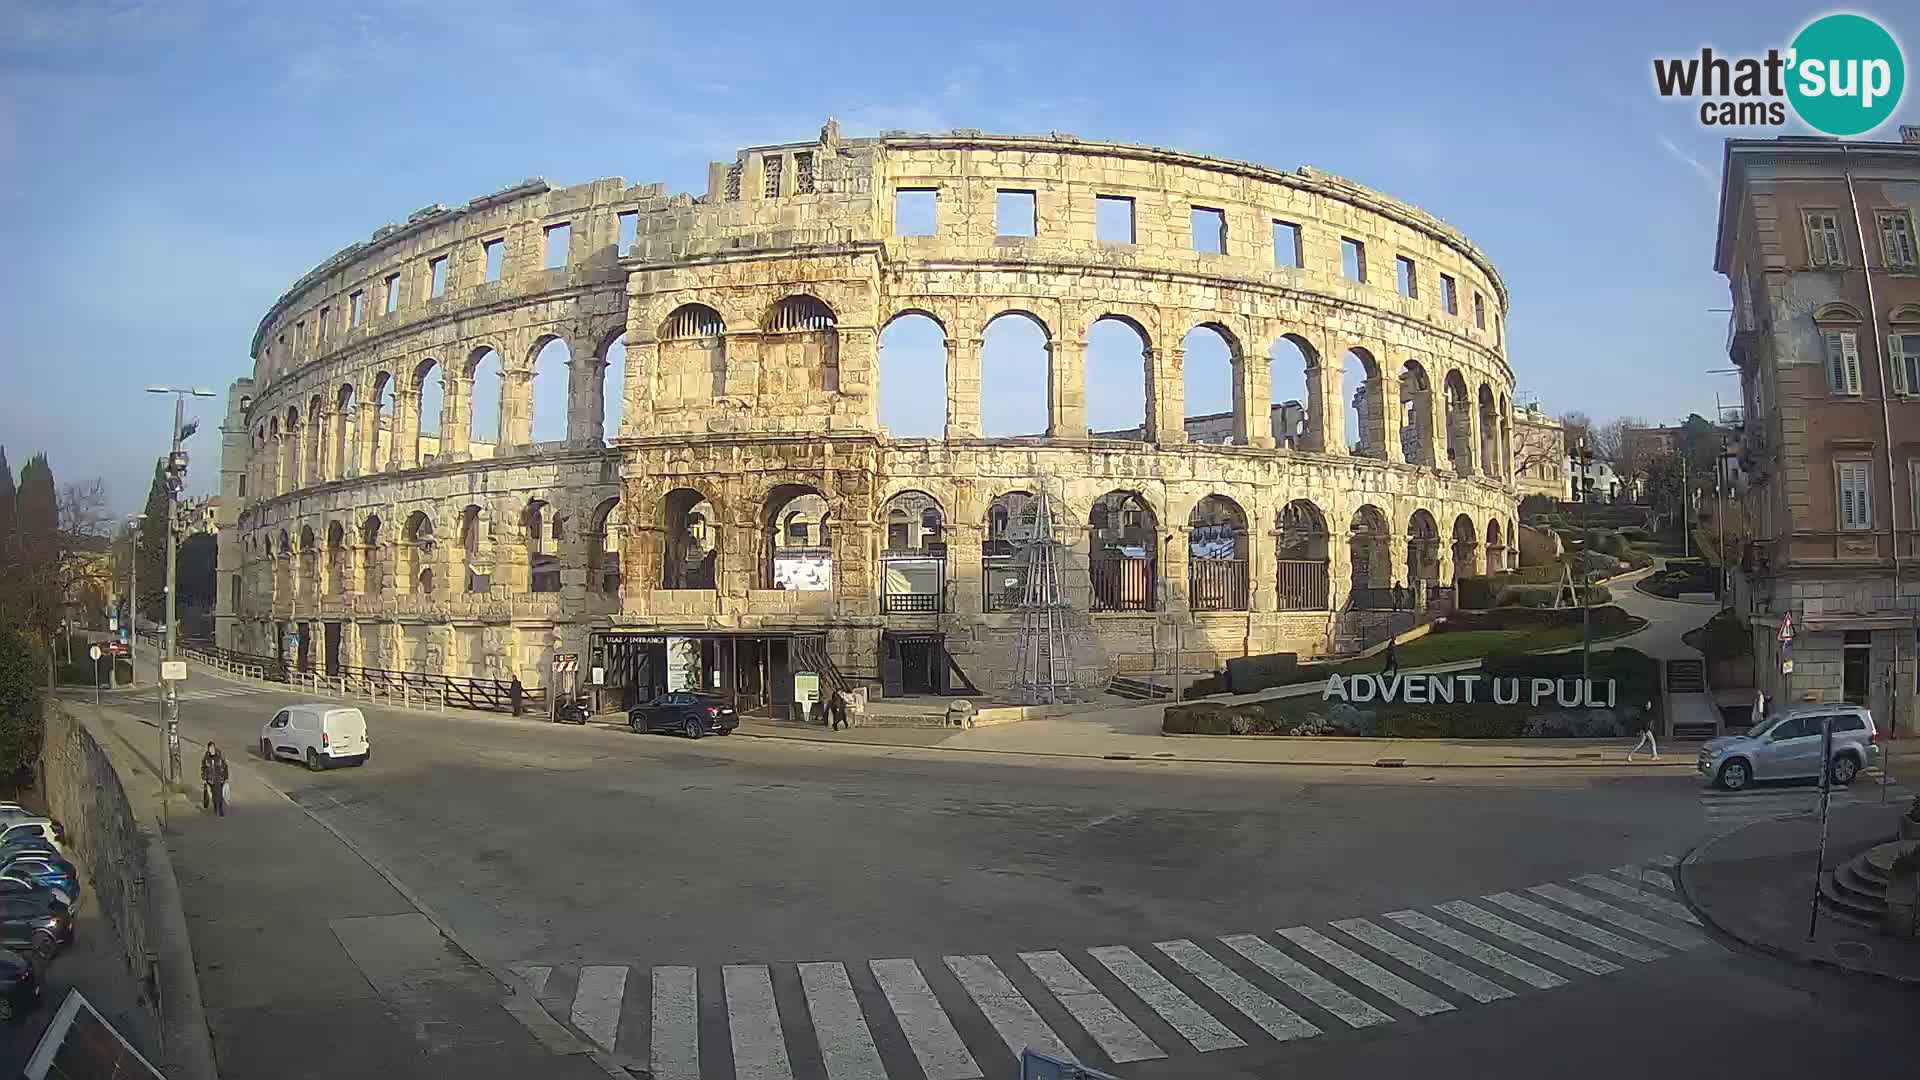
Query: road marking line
pixel 676 1024
pixel 1120 1038
pixel 1182 1013
pixel 1249 1000
pixel 1655 878
pixel 930 1034
pixel 1513 933
pixel 846 1044
pixel 1626 920
pixel 1466 944
pixel 535 976
pixel 1612 942
pixel 1419 959
pixel 1367 973
pixel 596 1003
pixel 759 1049
pixel 1019 1025
pixel 1305 981
pixel 1639 896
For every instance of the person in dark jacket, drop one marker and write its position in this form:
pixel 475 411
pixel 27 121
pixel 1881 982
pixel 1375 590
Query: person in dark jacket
pixel 1392 664
pixel 213 772
pixel 514 693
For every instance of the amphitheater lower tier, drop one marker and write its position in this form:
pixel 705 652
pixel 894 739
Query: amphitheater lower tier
pixel 737 562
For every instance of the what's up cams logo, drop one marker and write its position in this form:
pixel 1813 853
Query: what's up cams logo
pixel 1843 75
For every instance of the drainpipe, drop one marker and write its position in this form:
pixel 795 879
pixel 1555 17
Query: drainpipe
pixel 1886 425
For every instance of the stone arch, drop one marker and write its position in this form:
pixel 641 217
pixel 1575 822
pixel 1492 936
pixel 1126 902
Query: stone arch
pixel 551 400
pixel 1466 542
pixel 1302 544
pixel 292 459
pixel 1506 438
pixel 1216 409
pixel 1218 554
pixel 1460 447
pixel 904 517
pixel 372 572
pixel 913 348
pixel 1369 540
pixel 476 566
pixel 1003 575
pixel 913 560
pixel 1016 362
pixel 486 383
pixel 798 528
pixel 429 402
pixel 346 432
pixel 800 347
pixel 309 579
pixel 336 558
pixel 312 438
pixel 379 437
pixel 540 531
pixel 416 552
pixel 1423 548
pixel 1490 455
pixel 1416 418
pixel 1293 382
pixel 606 527
pixel 1496 547
pixel 1366 417
pixel 1837 312
pixel 612 373
pixel 690 540
pixel 693 356
pixel 1118 368
pixel 1123 547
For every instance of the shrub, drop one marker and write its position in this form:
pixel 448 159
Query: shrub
pixel 1725 637
pixel 1536 507
pixel 21 669
pixel 1198 718
pixel 1530 596
pixel 1597 595
pixel 1477 592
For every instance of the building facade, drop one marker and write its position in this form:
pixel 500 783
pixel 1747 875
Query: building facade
pixel 1539 453
pixel 1816 239
pixel 729 483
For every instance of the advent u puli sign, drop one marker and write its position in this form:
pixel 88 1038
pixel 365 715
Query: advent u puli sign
pixel 1469 689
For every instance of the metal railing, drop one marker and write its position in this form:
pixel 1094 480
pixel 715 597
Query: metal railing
pixel 1122 584
pixel 895 603
pixel 404 688
pixel 1302 585
pixel 1217 585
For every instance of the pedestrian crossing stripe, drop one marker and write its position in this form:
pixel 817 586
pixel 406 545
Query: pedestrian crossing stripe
pixel 1112 1005
pixel 1725 811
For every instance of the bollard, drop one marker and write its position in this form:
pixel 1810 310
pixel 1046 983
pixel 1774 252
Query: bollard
pixel 443 701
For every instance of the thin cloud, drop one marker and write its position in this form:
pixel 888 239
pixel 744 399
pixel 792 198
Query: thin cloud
pixel 1706 175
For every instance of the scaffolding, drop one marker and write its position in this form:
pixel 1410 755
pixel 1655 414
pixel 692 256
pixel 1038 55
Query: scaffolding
pixel 1044 660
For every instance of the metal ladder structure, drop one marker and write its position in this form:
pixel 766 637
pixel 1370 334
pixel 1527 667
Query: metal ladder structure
pixel 1044 668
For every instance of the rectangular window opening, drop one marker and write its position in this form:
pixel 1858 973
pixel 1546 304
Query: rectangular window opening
pixel 1113 219
pixel 1479 311
pixel 1905 350
pixel 1209 228
pixel 326 322
pixel 629 230
pixel 1856 506
pixel 771 169
pixel 1896 239
pixel 803 173
pixel 357 308
pixel 1823 239
pixel 437 276
pixel 1013 214
pixel 916 211
pixel 1449 295
pixel 1406 277
pixel 495 253
pixel 1286 245
pixel 393 293
pixel 1353 259
pixel 558 244
pixel 1843 362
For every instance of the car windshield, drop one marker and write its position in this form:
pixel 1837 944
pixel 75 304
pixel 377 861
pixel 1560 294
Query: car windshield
pixel 1760 728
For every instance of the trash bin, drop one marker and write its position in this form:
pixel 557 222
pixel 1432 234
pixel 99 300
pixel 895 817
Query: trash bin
pixel 960 713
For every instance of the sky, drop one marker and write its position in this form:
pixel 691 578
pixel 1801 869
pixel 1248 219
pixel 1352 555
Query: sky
pixel 167 169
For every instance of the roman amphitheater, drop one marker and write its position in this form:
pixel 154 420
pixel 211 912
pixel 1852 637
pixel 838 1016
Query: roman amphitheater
pixel 722 501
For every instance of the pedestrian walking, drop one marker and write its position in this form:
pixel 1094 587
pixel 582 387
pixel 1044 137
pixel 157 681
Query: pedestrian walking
pixel 1392 666
pixel 1645 723
pixel 514 693
pixel 213 775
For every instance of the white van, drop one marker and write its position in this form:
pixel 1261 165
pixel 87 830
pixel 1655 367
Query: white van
pixel 318 735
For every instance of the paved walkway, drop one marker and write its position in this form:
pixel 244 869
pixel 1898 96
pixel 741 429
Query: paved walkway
pixel 313 966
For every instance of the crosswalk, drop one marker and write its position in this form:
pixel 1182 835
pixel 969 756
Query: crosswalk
pixel 968 1017
pixel 1726 811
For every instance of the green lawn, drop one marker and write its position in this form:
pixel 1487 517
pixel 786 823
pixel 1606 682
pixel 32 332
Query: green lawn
pixel 1463 645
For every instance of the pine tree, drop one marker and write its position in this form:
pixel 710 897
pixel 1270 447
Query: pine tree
pixel 6 504
pixel 37 544
pixel 151 556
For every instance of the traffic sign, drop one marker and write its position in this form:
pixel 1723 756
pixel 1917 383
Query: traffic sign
pixel 173 670
pixel 566 662
pixel 1786 627
pixel 94 653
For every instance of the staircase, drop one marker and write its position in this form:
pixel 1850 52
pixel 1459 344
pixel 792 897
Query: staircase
pixel 1686 676
pixel 1856 890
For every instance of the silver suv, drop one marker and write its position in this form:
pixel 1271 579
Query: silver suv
pixel 1786 746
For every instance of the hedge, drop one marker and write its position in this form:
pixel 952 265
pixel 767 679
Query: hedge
pixel 82 673
pixel 1607 619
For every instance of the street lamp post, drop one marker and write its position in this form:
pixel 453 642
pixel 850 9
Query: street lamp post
pixel 133 601
pixel 176 476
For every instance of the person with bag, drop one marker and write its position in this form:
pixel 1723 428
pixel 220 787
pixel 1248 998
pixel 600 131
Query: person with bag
pixel 213 773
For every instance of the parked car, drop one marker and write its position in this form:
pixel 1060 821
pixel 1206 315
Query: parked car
pixel 42 869
pixel 19 985
pixel 320 735
pixel 1785 745
pixel 34 924
pixel 685 713
pixel 19 884
pixel 46 829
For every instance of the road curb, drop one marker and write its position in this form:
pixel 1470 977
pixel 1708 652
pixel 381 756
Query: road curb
pixel 1761 945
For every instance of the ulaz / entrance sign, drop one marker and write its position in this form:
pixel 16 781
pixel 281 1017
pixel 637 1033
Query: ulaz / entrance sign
pixel 1467 688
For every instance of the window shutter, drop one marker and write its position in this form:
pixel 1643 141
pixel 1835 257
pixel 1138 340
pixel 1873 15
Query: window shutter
pixel 1836 364
pixel 1850 349
pixel 1816 245
pixel 1849 505
pixel 1898 360
pixel 1832 228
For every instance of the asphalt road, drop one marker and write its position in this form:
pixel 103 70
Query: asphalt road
pixel 605 865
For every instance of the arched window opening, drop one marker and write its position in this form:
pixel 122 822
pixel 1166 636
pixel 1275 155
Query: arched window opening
pixel 477 569
pixel 309 563
pixel 430 397
pixel 290 468
pixel 1115 388
pixel 801 351
pixel 1123 548
pixel 613 387
pixel 1003 573
pixel 550 392
pixel 1210 362
pixel 336 559
pixel 1217 553
pixel 380 439
pixel 1506 437
pixel 913 378
pixel 690 534
pixel 693 356
pixel 1423 548
pixel 1366 404
pixel 603 548
pixel 283 582
pixel 416 552
pixel 1459 425
pixel 543 565
pixel 346 433
pixel 312 439
pixel 1300 541
pixel 1496 550
pixel 373 573
pixel 1466 539
pixel 914 564
pixel 1292 367
pixel 1016 353
pixel 799 531
pixel 1490 455
pixel 485 371
pixel 1416 414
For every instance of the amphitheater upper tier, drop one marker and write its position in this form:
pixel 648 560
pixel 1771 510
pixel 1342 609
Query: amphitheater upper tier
pixel 748 516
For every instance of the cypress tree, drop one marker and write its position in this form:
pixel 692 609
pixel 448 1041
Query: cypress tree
pixel 151 553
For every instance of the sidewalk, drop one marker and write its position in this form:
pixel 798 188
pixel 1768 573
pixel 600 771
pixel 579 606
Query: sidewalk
pixel 313 966
pixel 1756 885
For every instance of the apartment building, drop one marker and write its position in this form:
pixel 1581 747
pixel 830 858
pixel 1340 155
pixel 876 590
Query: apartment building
pixel 1539 453
pixel 1817 241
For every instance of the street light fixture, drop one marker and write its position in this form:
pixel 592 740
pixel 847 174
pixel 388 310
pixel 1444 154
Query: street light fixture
pixel 176 472
pixel 133 599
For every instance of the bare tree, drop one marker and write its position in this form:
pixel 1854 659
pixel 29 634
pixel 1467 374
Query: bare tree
pixel 84 575
pixel 1578 426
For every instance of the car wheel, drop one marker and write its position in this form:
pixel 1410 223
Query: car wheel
pixel 1735 774
pixel 266 750
pixel 44 945
pixel 636 725
pixel 693 729
pixel 313 760
pixel 1845 768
